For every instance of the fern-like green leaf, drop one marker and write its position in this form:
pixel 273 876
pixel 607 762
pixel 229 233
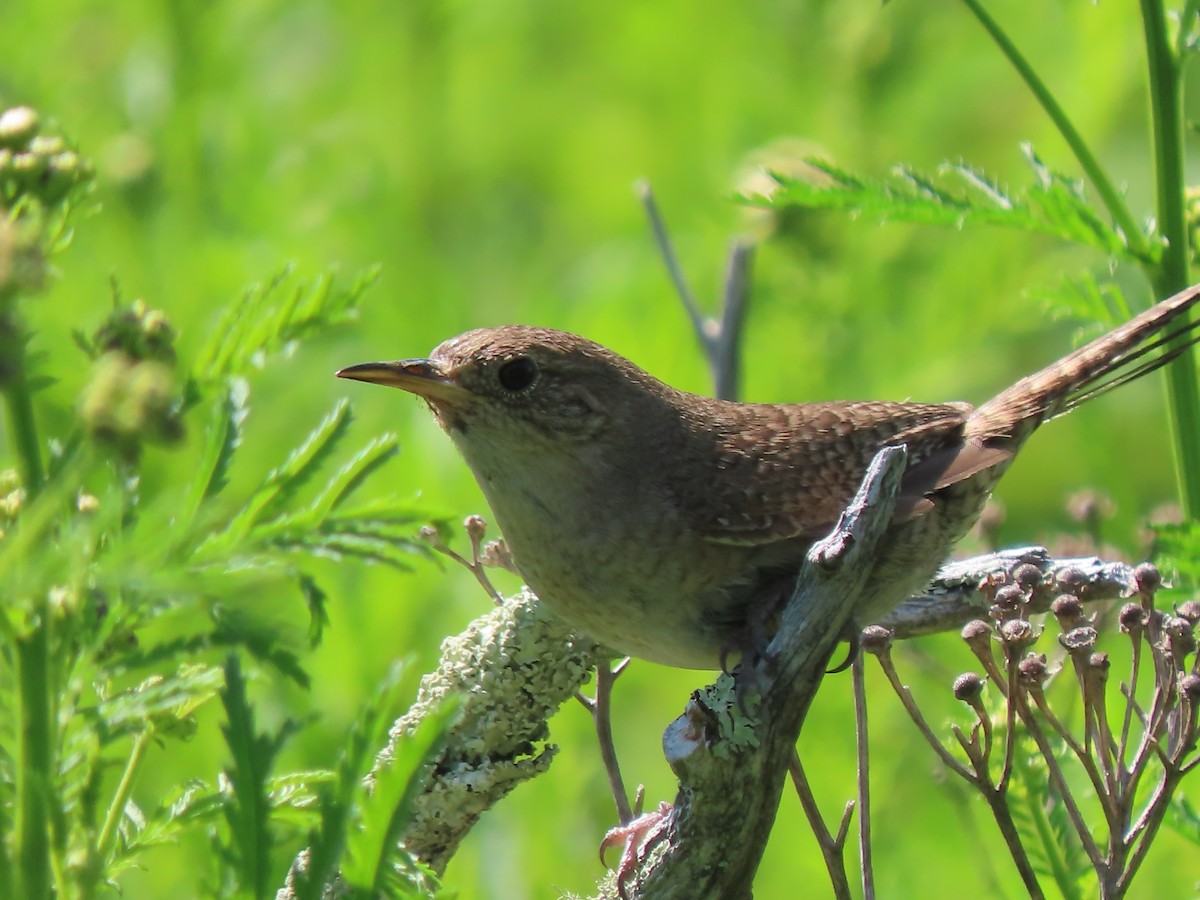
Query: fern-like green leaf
pixel 248 812
pixel 259 323
pixel 1096 304
pixel 222 438
pixel 281 483
pixel 340 798
pixel 957 195
pixel 338 488
pixel 374 857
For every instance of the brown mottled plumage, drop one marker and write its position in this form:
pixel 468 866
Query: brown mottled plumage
pixel 668 525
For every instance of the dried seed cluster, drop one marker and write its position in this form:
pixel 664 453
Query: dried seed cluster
pixel 1153 735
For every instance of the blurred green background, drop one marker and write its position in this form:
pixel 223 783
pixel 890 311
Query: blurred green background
pixel 484 153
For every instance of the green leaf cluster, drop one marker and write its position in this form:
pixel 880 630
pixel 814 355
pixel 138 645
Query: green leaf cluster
pixel 129 600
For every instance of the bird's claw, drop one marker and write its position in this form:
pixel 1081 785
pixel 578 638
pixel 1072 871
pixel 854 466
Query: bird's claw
pixel 638 837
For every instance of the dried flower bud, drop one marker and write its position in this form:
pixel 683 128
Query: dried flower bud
pixel 1178 632
pixel 10 480
pixel 18 125
pixel 1071 580
pixel 1068 610
pixel 977 633
pixel 1017 634
pixel 27 166
pixel 1189 686
pixel 1027 576
pixel 1010 600
pixel 1099 662
pixel 476 527
pixel 1010 595
pixel 1078 640
pixel 11 503
pixel 137 331
pixel 1190 611
pixel 989 584
pixel 1132 618
pixel 876 640
pixel 496 555
pixel 968 687
pixel 1147 578
pixel 1033 669
pixel 429 533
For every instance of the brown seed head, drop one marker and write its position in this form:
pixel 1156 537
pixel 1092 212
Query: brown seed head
pixel 1147 578
pixel 476 527
pixel 1078 640
pixel 1071 580
pixel 1027 576
pixel 1178 632
pixel 1132 618
pixel 876 640
pixel 1190 611
pixel 977 634
pixel 1089 507
pixel 1068 610
pixel 1017 634
pixel 968 687
pixel 1033 669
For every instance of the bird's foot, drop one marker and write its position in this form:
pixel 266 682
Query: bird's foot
pixel 852 636
pixel 639 837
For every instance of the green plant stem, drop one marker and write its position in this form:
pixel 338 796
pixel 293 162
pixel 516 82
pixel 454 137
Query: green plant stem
pixel 1171 273
pixel 19 408
pixel 116 809
pixel 1186 20
pixel 34 763
pixel 1051 843
pixel 1134 239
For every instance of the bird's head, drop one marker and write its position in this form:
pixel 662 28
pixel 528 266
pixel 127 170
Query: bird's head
pixel 521 386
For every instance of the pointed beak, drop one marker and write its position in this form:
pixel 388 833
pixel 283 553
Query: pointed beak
pixel 423 377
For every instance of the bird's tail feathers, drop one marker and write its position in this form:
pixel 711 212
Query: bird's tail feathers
pixel 1145 343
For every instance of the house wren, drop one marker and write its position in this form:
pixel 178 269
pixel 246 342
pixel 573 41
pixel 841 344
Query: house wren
pixel 670 526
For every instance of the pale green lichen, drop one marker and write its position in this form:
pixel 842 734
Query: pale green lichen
pixel 513 668
pixel 736 718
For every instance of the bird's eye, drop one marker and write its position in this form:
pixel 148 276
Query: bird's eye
pixel 518 374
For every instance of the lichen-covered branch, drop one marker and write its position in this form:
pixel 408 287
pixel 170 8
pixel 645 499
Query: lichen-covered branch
pixel 732 761
pixel 514 666
pixel 959 592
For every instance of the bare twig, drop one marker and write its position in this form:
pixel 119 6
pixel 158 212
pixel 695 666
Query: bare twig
pixel 720 339
pixel 832 846
pixel 858 673
pixel 600 708
pixel 481 556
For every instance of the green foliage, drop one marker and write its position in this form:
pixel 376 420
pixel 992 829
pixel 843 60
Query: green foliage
pixel 959 195
pixel 248 850
pixel 230 136
pixel 121 591
pixel 1178 550
pixel 261 323
pixel 1046 832
pixel 362 831
pixel 1185 819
